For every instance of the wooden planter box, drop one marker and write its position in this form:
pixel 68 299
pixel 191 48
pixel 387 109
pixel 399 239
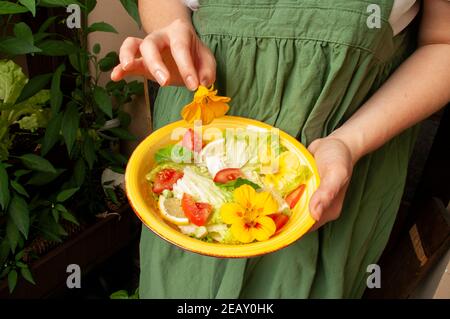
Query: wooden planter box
pixel 87 249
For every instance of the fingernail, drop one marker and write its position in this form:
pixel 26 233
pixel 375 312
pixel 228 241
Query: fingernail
pixel 205 82
pixel 126 63
pixel 114 74
pixel 160 77
pixel 190 83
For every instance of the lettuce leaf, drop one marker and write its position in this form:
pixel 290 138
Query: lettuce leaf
pixel 232 185
pixel 12 81
pixel 174 153
pixel 291 181
pixel 200 187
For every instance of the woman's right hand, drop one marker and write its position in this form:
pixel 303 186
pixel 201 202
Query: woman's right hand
pixel 173 55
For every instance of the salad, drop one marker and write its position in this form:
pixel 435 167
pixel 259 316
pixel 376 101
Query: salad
pixel 229 190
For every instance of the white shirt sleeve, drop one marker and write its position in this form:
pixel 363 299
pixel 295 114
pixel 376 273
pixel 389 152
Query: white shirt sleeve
pixel 402 14
pixel 192 4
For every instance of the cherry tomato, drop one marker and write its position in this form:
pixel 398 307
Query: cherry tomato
pixel 293 198
pixel 228 174
pixel 192 141
pixel 197 213
pixel 165 180
pixel 280 220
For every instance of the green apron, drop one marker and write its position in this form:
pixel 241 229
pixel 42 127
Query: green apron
pixel 304 66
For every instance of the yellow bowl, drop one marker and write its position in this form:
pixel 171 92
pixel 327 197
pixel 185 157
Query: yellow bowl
pixel 145 207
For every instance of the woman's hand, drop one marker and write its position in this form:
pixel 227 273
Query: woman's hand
pixel 417 89
pixel 335 164
pixel 173 55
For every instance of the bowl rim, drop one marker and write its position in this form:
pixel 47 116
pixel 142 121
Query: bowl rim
pixel 282 240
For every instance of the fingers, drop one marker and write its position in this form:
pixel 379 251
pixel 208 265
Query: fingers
pixel 332 212
pixel 137 67
pixel 206 66
pixel 332 182
pixel 130 61
pixel 129 51
pixel 312 148
pixel 180 48
pixel 151 49
pixel 334 166
pixel 173 55
pixel 117 73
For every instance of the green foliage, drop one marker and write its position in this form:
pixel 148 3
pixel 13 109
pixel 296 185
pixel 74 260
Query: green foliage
pixel 30 5
pixel 123 294
pixel 103 101
pixel 29 113
pixel 12 82
pixel 55 88
pixel 4 188
pixel 101 26
pixel 55 139
pixel 232 185
pixel 37 163
pixel 173 153
pixel 132 9
pixel 11 8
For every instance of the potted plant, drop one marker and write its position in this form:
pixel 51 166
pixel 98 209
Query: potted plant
pixel 56 142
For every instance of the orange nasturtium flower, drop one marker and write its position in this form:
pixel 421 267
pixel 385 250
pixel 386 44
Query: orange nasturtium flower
pixel 247 215
pixel 206 106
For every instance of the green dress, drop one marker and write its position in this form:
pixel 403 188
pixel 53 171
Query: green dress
pixel 304 66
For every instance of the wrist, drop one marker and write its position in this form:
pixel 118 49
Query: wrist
pixel 171 11
pixel 353 142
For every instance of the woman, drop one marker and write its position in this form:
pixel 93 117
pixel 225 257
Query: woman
pixel 341 76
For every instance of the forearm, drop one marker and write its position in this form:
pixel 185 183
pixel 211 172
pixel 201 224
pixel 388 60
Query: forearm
pixel 419 88
pixel 156 14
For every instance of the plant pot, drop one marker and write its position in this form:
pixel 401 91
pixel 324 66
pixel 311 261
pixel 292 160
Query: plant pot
pixel 88 248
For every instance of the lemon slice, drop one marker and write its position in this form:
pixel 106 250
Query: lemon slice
pixel 170 209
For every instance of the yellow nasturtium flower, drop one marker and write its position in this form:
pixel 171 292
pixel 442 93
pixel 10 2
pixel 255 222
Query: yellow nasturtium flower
pixel 206 106
pixel 288 164
pixel 247 215
pixel 289 174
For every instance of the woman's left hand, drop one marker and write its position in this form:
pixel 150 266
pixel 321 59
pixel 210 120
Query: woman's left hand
pixel 335 165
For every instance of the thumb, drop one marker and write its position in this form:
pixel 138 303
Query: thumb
pixel 206 66
pixel 331 183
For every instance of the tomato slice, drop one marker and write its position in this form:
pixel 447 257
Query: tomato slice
pixel 192 141
pixel 293 198
pixel 280 220
pixel 227 175
pixel 197 213
pixel 165 180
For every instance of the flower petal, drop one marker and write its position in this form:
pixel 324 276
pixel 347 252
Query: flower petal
pixel 217 98
pixel 219 108
pixel 266 201
pixel 191 112
pixel 231 213
pixel 245 196
pixel 207 114
pixel 206 106
pixel 202 92
pixel 264 228
pixel 242 233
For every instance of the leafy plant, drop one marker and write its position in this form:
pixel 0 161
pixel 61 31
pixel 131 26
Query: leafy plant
pixel 76 129
pixel 19 103
pixel 123 294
